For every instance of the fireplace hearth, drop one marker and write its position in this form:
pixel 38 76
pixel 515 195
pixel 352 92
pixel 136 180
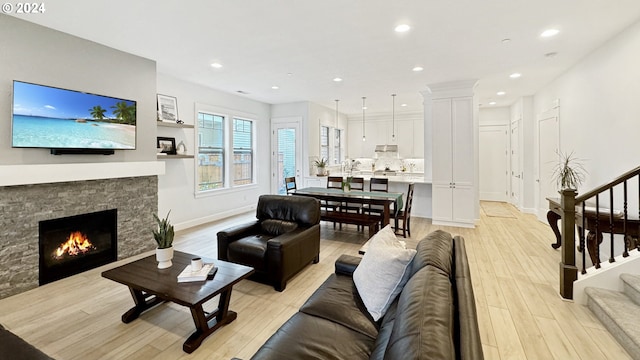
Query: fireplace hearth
pixel 74 244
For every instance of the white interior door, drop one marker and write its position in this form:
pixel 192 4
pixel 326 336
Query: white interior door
pixel 515 175
pixel 548 146
pixel 286 153
pixel 493 163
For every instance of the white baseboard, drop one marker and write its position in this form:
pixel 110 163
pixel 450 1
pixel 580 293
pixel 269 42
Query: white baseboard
pixel 528 210
pixel 454 223
pixel 214 217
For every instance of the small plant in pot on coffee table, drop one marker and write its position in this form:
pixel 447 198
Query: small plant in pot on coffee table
pixel 163 236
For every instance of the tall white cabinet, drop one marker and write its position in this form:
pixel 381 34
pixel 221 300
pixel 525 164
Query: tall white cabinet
pixel 451 116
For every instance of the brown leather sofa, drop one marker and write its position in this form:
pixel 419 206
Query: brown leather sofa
pixel 282 241
pixel 434 317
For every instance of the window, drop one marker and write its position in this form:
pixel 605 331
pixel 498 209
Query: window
pixel 337 144
pixel 324 142
pixel 210 151
pixel 242 151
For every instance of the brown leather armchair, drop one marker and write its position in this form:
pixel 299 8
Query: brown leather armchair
pixel 282 241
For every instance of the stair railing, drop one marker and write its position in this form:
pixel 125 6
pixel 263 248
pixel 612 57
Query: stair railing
pixel 595 220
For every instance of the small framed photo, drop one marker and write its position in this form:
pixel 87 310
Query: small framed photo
pixel 167 145
pixel 167 108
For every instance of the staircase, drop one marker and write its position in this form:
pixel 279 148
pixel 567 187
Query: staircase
pixel 616 310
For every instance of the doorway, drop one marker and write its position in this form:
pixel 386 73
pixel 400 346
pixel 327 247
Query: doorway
pixel 516 174
pixel 548 147
pixel 286 152
pixel 493 162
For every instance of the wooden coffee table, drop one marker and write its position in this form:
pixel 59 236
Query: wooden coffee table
pixel 150 286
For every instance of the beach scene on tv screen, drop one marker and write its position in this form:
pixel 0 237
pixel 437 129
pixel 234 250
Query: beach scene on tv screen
pixel 47 117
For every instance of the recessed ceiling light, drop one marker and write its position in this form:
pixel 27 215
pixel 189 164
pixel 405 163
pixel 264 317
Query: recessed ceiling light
pixel 337 79
pixel 492 103
pixel 418 68
pixel 500 93
pixel 402 28
pixel 275 87
pixel 403 105
pixel 364 108
pixel 515 75
pixel 216 65
pixel 549 33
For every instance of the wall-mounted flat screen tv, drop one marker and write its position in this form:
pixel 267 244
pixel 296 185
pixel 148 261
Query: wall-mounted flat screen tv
pixel 54 118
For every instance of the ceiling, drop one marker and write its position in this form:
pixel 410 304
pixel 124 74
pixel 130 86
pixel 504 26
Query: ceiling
pixel 301 46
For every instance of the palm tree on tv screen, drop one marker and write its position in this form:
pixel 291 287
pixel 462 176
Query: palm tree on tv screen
pixel 125 113
pixel 98 112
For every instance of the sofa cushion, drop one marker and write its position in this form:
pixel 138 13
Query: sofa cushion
pixel 15 348
pixel 382 273
pixel 424 325
pixel 305 336
pixel 384 334
pixel 250 251
pixel 277 227
pixel 435 249
pixel 337 300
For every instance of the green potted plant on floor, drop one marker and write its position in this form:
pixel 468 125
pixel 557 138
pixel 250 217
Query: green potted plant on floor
pixel 321 166
pixel 163 236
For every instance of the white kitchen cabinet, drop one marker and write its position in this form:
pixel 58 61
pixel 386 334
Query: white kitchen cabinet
pixel 453 161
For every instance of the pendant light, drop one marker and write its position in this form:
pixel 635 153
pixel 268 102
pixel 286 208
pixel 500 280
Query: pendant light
pixel 393 118
pixel 363 108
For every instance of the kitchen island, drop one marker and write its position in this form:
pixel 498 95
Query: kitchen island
pixel 398 182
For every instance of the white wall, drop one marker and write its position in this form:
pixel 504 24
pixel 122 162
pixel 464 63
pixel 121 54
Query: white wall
pixel 323 116
pixel 176 188
pixel 37 54
pixel 493 116
pixel 600 107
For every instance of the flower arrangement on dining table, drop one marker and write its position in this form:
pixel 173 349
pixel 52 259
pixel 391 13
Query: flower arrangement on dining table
pixel 346 183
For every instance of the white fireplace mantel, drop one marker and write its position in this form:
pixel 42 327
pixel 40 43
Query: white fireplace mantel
pixel 11 175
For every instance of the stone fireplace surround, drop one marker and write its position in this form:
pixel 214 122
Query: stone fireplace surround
pixel 22 207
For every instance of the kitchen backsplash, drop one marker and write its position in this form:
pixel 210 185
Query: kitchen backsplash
pixel 415 165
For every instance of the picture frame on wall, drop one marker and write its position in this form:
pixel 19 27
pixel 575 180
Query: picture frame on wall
pixel 166 145
pixel 167 108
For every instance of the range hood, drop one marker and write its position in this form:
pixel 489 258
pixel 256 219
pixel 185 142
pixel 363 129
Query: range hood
pixel 386 148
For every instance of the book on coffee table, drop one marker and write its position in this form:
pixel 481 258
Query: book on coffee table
pixel 187 275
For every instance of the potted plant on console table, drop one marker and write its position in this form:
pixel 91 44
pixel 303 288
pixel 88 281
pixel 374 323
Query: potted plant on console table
pixel 164 238
pixel 321 166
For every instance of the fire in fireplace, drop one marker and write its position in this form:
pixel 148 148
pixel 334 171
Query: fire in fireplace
pixel 75 244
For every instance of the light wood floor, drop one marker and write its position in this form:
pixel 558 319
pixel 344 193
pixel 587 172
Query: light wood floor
pixel 514 271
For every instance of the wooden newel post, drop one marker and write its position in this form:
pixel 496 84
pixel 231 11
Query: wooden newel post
pixel 568 269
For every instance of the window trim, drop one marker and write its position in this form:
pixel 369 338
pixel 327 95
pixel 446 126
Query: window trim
pixel 228 115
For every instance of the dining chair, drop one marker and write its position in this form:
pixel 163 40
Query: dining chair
pixel 377 184
pixel 290 184
pixel 334 182
pixel 356 183
pixel 405 214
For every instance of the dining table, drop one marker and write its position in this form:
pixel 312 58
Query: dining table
pixel 386 199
